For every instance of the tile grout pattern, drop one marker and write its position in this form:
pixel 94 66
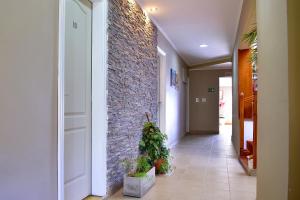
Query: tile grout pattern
pixel 206 169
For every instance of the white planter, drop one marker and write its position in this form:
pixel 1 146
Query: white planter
pixel 139 186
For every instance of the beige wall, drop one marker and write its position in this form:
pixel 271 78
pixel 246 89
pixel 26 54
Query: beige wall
pixel 204 116
pixel 294 81
pixel 175 97
pixel 28 105
pixel 247 19
pixel 273 101
pixel 235 102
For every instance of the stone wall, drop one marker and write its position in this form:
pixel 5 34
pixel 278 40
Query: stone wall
pixel 132 83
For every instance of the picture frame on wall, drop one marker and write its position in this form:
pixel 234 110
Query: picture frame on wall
pixel 173 77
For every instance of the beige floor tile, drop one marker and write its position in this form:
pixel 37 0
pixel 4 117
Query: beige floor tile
pixel 242 195
pixel 206 168
pixel 93 198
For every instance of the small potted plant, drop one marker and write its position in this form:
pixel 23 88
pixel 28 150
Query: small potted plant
pixel 163 164
pixel 139 177
pixel 153 144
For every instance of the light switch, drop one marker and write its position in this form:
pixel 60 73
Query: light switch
pixel 197 100
pixel 204 100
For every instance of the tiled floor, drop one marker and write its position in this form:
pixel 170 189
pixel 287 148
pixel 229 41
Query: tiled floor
pixel 206 169
pixel 93 198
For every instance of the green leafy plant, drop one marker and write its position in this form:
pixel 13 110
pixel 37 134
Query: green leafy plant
pixel 251 39
pixel 143 164
pixel 154 153
pixel 153 144
pixel 139 174
pixel 137 167
pixel 164 168
pixel 129 166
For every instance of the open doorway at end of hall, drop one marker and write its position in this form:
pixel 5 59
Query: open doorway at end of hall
pixel 225 105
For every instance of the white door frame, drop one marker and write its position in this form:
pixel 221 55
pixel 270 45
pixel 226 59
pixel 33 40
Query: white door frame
pixel 99 96
pixel 162 80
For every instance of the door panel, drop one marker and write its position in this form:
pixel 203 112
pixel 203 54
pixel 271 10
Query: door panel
pixel 77 151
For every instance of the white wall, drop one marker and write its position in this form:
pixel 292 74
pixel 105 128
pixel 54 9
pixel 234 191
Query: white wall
pixel 227 108
pixel 273 102
pixel 248 15
pixel 175 98
pixel 28 105
pixel 226 85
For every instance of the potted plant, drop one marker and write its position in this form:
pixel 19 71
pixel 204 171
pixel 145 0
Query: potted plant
pixel 139 177
pixel 163 164
pixel 153 144
pixel 251 39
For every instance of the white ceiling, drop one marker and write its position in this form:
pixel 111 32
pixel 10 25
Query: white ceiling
pixel 189 23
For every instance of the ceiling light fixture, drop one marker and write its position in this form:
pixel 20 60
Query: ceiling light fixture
pixel 153 10
pixel 203 45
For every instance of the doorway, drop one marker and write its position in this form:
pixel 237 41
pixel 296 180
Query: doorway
pixel 162 90
pixel 82 79
pixel 77 100
pixel 225 105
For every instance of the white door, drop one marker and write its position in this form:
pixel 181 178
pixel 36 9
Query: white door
pixel 77 138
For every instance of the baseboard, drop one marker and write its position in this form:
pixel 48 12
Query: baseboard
pixel 204 132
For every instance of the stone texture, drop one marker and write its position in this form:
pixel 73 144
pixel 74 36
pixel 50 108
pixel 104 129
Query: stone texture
pixel 132 83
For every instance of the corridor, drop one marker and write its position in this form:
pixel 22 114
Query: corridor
pixel 206 168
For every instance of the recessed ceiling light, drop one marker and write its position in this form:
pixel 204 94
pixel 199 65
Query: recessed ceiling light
pixel 153 9
pixel 203 45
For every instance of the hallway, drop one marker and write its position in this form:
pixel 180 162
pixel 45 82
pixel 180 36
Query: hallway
pixel 206 169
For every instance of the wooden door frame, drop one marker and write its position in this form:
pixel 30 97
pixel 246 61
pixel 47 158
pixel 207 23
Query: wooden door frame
pixel 99 98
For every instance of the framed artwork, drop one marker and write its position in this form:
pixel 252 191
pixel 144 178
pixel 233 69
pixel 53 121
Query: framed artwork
pixel 173 77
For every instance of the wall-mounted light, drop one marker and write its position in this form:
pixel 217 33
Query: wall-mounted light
pixel 203 45
pixel 152 10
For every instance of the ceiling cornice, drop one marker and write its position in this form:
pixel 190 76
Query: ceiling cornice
pixel 212 62
pixel 169 40
pixel 159 28
pixel 248 13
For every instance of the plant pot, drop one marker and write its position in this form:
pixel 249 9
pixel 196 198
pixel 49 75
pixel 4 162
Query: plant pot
pixel 139 186
pixel 158 164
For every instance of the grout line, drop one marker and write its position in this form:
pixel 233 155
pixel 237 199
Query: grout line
pixel 228 178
